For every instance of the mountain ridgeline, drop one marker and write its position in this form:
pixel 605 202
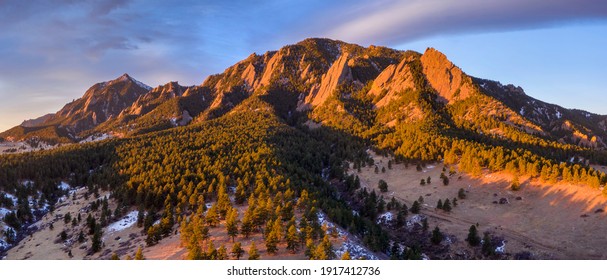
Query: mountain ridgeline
pixel 260 131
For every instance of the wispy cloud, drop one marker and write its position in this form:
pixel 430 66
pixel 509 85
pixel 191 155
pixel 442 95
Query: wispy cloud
pixel 394 22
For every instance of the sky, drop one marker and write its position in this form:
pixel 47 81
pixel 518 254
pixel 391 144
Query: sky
pixel 51 52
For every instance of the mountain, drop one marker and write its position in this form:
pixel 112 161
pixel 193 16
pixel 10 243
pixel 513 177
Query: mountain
pixel 37 121
pixel 367 88
pixel 102 102
pixel 286 134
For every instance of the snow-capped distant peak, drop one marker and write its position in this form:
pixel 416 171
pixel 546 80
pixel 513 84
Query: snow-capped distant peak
pixel 126 77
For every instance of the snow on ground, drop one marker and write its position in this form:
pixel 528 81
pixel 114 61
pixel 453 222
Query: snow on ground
pixel 385 218
pixel 96 137
pixel 64 186
pixel 356 251
pixel 350 244
pixel 3 212
pixel 430 166
pixel 415 219
pixel 127 221
pixel 502 248
pixel 3 244
pixel 11 197
pixel 27 183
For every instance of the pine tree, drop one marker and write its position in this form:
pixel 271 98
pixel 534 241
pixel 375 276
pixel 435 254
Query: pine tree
pixel 425 224
pixel 516 185
pixel 139 254
pixel 310 248
pixel 382 185
pixel 194 250
pixel 324 251
pixel 222 252
pixel 237 250
pixel 140 217
pixel 461 194
pixel 447 205
pixel 253 253
pixel 273 236
pixel 292 239
pixel 211 253
pixel 415 207
pixel 488 248
pixel 473 238
pixel 115 257
pixel 439 204
pixel 232 223
pixel 96 242
pixel 437 236
pixel 213 216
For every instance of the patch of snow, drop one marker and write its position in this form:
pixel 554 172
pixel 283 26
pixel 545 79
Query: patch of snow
pixel 588 115
pixel 96 137
pixel 322 220
pixel 185 118
pixel 430 166
pixel 522 111
pixel 558 114
pixel 385 218
pixel 141 84
pixel 64 186
pixel 502 248
pixel 174 121
pixel 356 251
pixel 413 220
pixel 127 221
pixel 3 212
pixel 27 183
pixel 3 245
pixel 11 197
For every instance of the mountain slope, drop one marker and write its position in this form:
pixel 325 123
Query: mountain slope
pixel 100 103
pixel 276 135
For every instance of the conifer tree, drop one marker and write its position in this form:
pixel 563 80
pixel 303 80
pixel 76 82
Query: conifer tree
pixel 447 205
pixel 222 252
pixel 237 250
pixel 415 207
pixel 437 236
pixel 292 239
pixel 232 223
pixel 473 238
pixel 253 253
pixel 139 254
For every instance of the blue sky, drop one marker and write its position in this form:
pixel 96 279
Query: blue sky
pixel 52 51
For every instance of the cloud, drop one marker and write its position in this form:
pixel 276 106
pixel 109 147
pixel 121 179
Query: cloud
pixel 394 22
